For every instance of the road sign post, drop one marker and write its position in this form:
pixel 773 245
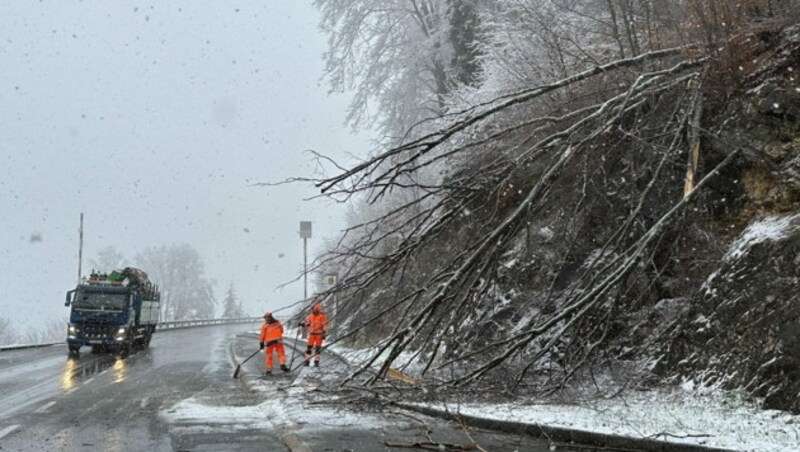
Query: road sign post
pixel 305 234
pixel 331 280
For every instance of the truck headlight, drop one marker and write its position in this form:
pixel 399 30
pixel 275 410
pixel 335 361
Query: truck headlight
pixel 72 329
pixel 121 331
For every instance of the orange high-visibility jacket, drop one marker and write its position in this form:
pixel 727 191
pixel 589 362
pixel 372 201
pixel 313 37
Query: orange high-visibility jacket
pixel 316 323
pixel 271 332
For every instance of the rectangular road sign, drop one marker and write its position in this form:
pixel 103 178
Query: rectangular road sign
pixel 305 229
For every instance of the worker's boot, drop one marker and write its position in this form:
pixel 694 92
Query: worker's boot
pixel 307 363
pixel 269 372
pixel 284 368
pixel 316 363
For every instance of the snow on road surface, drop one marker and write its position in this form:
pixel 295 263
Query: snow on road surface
pixel 204 414
pixel 288 402
pixel 284 409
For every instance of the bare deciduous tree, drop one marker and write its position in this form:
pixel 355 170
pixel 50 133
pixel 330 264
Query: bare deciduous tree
pixel 108 258
pixel 404 55
pixel 7 333
pixel 54 331
pixel 179 271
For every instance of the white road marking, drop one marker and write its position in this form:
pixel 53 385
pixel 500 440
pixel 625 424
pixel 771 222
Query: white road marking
pixel 45 407
pixel 7 430
pixel 88 381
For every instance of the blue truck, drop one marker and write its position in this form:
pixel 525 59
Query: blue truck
pixel 117 312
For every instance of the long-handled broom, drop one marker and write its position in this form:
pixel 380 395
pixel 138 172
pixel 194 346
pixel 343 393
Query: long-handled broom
pixel 239 367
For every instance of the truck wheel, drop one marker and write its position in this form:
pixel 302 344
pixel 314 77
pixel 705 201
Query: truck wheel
pixel 74 352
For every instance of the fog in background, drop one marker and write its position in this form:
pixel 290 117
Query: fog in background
pixel 154 120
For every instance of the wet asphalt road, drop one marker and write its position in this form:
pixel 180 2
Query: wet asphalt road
pixel 104 403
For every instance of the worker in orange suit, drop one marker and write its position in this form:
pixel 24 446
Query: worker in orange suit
pixel 271 337
pixel 317 326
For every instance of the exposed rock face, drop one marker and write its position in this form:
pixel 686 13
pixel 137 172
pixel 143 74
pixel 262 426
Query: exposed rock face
pixel 719 302
pixel 744 328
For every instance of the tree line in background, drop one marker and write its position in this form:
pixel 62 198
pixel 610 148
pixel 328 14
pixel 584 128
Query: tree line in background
pixel 534 171
pixel 179 271
pixel 55 330
pixel 411 61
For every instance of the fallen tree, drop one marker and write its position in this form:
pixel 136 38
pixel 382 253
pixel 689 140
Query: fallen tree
pixel 515 244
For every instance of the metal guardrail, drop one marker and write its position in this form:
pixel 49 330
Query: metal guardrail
pixel 21 346
pixel 162 326
pixel 176 324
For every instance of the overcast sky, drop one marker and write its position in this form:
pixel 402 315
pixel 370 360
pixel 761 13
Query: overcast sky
pixel 154 120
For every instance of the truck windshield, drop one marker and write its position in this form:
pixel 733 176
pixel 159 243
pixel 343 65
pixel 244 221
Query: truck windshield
pixel 101 301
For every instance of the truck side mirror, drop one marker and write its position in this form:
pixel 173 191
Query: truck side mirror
pixel 69 297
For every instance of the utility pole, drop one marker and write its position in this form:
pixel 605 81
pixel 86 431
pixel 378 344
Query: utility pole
pixel 80 248
pixel 305 234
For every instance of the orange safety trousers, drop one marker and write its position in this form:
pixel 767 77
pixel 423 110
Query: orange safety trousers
pixel 314 342
pixel 278 347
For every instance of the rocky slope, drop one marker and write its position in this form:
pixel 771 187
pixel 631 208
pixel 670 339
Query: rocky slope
pixel 741 326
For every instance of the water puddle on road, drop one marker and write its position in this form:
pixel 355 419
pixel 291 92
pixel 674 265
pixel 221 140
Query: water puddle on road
pixel 76 371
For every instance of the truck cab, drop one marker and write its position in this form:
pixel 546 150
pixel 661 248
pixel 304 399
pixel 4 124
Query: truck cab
pixel 115 312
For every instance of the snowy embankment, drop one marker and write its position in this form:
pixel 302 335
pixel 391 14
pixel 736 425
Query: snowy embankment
pixel 686 415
